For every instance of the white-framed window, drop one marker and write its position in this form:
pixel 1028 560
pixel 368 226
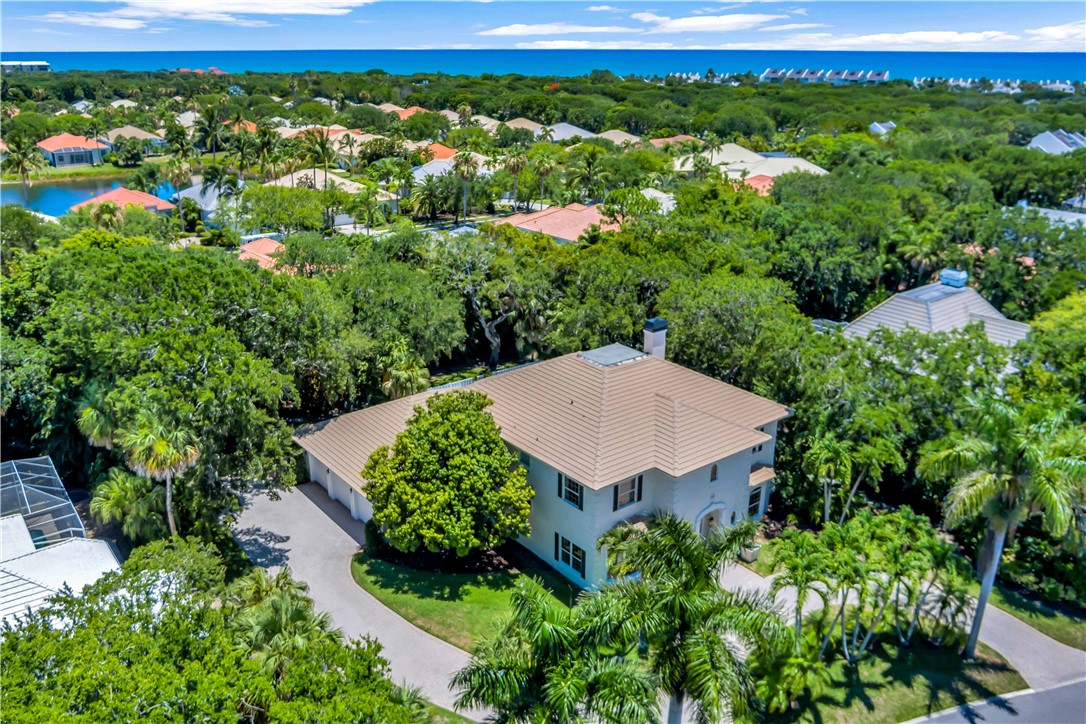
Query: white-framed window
pixel 568 552
pixel 754 505
pixel 627 492
pixel 571 491
pixel 714 473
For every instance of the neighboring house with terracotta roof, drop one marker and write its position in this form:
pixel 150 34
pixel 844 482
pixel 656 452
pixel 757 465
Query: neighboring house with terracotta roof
pixel 761 183
pixel 68 149
pixel 242 125
pixel 606 436
pixel 563 224
pixel 263 252
pixel 128 197
pixel 441 152
pixel 619 137
pixel 153 143
pixel 405 113
pixel 389 107
pixel 943 306
pixel 664 142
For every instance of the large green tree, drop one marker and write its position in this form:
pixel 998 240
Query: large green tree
pixel 448 484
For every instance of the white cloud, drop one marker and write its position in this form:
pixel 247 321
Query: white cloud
pixel 798 11
pixel 1070 35
pixel 520 29
pixel 139 14
pixel 603 9
pixel 792 26
pixel 930 40
pixel 706 23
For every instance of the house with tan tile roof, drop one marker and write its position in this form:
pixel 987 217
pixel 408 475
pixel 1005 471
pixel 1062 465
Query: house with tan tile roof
pixel 561 223
pixel 619 137
pixel 607 435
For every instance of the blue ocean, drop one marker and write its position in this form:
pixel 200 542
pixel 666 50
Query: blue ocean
pixel 564 63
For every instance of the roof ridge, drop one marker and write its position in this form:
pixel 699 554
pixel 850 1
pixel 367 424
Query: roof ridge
pixel 604 391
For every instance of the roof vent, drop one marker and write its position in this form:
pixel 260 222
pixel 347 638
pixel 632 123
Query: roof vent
pixel 656 336
pixel 953 278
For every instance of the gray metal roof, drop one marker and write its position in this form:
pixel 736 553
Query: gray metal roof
pixel 938 308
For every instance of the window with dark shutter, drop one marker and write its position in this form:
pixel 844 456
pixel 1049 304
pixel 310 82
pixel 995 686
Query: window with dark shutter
pixel 571 491
pixel 627 492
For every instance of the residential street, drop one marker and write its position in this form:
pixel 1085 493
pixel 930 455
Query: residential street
pixel 317 538
pixel 1064 704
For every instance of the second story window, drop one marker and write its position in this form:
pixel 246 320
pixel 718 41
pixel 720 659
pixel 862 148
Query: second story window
pixel 754 505
pixel 571 491
pixel 757 449
pixel 525 459
pixel 627 492
pixel 713 474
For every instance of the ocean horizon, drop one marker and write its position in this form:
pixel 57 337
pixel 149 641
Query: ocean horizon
pixel 565 63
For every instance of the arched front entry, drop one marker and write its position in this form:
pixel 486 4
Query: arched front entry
pixel 710 520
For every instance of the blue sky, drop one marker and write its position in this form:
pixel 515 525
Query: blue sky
pixel 111 25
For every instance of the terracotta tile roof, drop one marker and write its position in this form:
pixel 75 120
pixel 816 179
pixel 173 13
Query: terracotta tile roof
pixel 262 251
pixel 70 142
pixel 761 183
pixel 441 151
pixel 563 223
pixel 127 197
pixel 405 113
pixel 661 142
pixel 241 125
pixel 3 146
pixel 599 422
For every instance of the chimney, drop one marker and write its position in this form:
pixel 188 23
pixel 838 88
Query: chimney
pixel 656 337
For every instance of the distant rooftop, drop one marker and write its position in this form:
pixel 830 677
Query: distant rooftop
pixel 611 355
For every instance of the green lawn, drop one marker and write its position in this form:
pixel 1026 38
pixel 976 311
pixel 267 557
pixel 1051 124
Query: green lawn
pixel 102 171
pixel 897 684
pixel 444 716
pixel 1065 627
pixel 764 565
pixel 461 608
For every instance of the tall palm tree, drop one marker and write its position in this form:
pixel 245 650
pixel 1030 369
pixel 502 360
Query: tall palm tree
pixel 244 148
pixel 402 371
pixel 697 633
pixel 268 145
pixel 464 168
pixel 366 205
pixel 319 150
pixel 542 668
pixel 24 159
pixel 589 173
pixel 802 560
pixel 428 198
pixel 542 167
pixel 178 171
pixel 514 162
pixel 210 130
pixel 158 449
pixel 107 215
pixel 1013 462
pixel 829 460
pixel 134 502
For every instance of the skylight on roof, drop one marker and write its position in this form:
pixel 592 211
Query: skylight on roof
pixel 611 355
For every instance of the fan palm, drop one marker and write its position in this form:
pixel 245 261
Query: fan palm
pixel 402 371
pixel 541 668
pixel 157 449
pixel 280 627
pixel 696 632
pixel 95 418
pixel 1014 462
pixel 134 502
pixel 258 586
pixel 24 159
pixel 107 215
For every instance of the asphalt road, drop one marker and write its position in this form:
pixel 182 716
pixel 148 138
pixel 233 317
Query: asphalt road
pixel 1064 704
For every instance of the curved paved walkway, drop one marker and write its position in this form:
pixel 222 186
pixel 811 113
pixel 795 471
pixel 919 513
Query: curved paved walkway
pixel 1042 661
pixel 316 537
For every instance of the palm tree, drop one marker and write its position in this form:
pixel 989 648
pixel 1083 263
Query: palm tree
pixel 268 145
pixel 178 171
pixel 428 198
pixel 542 167
pixel 465 170
pixel 319 150
pixel 589 173
pixel 258 586
pixel 543 668
pixel 157 449
pixel 1014 462
pixel 514 162
pixel 366 205
pixel 830 461
pixel 210 129
pixel 95 418
pixel 25 160
pixel 402 371
pixel 280 627
pixel 134 502
pixel 107 215
pixel 801 557
pixel 696 632
pixel 244 148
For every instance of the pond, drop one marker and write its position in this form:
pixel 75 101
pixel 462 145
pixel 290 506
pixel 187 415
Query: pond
pixel 55 199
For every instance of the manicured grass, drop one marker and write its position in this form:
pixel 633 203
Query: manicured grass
pixel 764 565
pixel 461 608
pixel 1060 624
pixel 443 716
pixel 101 171
pixel 896 684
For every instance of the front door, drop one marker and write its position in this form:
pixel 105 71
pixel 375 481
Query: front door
pixel 710 522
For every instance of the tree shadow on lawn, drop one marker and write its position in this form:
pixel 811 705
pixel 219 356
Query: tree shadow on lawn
pixel 427 584
pixel 947 680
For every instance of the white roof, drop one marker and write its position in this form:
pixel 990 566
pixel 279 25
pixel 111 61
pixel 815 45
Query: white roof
pixel 440 167
pixel 566 131
pixel 187 119
pixel 1058 142
pixel 773 167
pixel 123 103
pixel 728 155
pixel 28 580
pixel 666 200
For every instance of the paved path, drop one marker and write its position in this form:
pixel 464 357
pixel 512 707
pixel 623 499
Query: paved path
pixel 317 538
pixel 1042 661
pixel 1065 704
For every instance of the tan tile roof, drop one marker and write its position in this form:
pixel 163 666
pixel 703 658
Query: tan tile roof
pixel 131 132
pixel 566 223
pixel 619 137
pixel 525 123
pixel 760 474
pixel 598 423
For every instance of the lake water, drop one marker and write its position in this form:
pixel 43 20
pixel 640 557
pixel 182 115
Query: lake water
pixel 54 199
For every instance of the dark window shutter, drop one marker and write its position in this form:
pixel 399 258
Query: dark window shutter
pixel 560 485
pixel 555 545
pixel 580 497
pixel 615 504
pixel 640 481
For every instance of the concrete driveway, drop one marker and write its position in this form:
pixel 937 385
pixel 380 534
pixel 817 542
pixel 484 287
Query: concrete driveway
pixel 1065 704
pixel 316 537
